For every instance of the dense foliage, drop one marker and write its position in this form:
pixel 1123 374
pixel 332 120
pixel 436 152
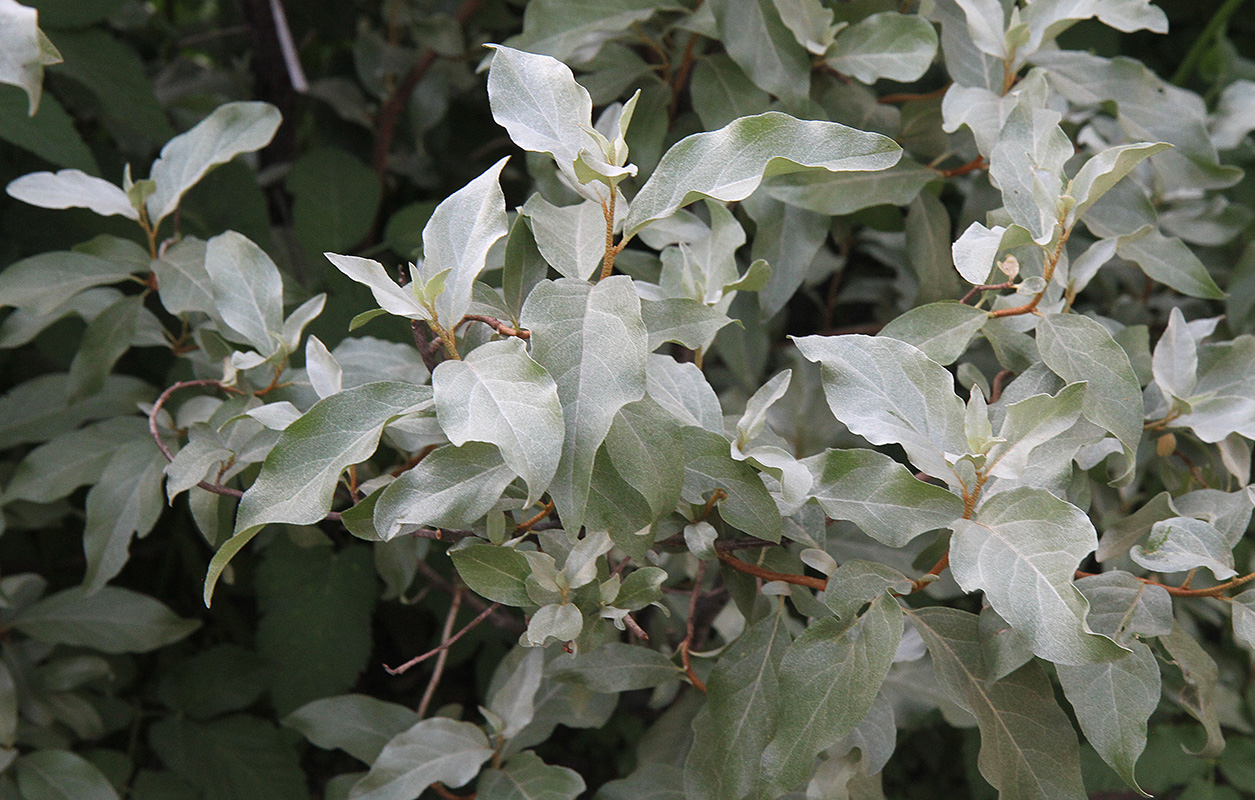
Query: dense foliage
pixel 726 399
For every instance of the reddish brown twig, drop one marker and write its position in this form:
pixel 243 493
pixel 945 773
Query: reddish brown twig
pixel 443 655
pixel 986 287
pixel 161 445
pixel 446 643
pixel 770 575
pixel 690 627
pixel 1182 591
pixel 497 325
pixel 971 166
pixel 443 791
pixel 937 569
pixel 906 97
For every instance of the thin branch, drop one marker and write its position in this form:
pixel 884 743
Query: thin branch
pixel 444 645
pixel 769 575
pixel 1181 591
pixel 937 569
pixel 906 97
pixel 1048 273
pixel 526 525
pixel 497 325
pixel 986 287
pixel 443 791
pixel 690 628
pixel 425 347
pixel 607 211
pixel 443 656
pixel 499 620
pixel 971 166
pixel 161 445
pixel 681 76
pixel 635 628
pixel 995 392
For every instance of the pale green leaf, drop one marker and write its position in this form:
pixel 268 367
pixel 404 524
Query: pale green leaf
pixel 928 240
pixel 1175 362
pixel 45 474
pixel 642 442
pixel 1198 695
pixel 1028 750
pixel 571 238
pixel 38 410
pixel 248 290
pixel 1126 531
pixel 1169 261
pixel 125 502
pixel 1104 170
pixel 728 164
pixel 1224 397
pixel 735 726
pixel 722 92
pixel 575 30
pixel 1078 349
pixel 1031 422
pixel 392 298
pixel 526 777
pixel 1121 606
pixel 72 188
pixel 451 488
pixel 1113 702
pixel 355 723
pixel 524 265
pixel 831 675
pixel 184 283
pixel 1244 618
pixel 1183 543
pixel 112 620
pixel 497 573
pixel 513 700
pixel 681 320
pixel 758 41
pixel 436 749
pixel 499 395
pixel 1022 549
pixel 106 339
pixel 593 342
pixel 856 583
pixel 25 51
pixel 1027 166
pixel 61 775
pixel 42 282
pixel 789 239
pixel 457 238
pixel 888 391
pixel 942 331
pixel 560 622
pixel 977 247
pixel 890 45
pixel 708 466
pixel 841 192
pixel 616 667
pixel 683 391
pixel 811 23
pixel 650 782
pixel 879 495
pixel 231 129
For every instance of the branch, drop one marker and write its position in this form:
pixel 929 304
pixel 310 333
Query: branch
pixel 524 527
pixel 1182 591
pixel 161 445
pixel 690 628
pixel 497 325
pixel 1052 261
pixel 986 287
pixel 446 644
pixel 768 575
pixel 906 97
pixel 505 623
pixel 438 672
pixel 971 166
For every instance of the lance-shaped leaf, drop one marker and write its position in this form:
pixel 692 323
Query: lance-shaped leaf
pixel 879 495
pixel 1168 260
pixel 1027 166
pixel 1113 701
pixel 575 30
pixel 526 777
pixel 536 99
pixel 499 395
pixel 836 193
pixel 942 331
pixel 436 749
pixel 739 717
pixel 457 238
pixel 1175 362
pixel 231 129
pixel 571 238
pixel 1022 550
pixel 728 164
pixel 1198 695
pixel 593 342
pixel 1078 349
pixel 890 45
pixel 1028 750
pixel 106 339
pixel 125 502
pixel 887 391
pixel 708 465
pixel 355 723
pixel 831 675
pixel 451 488
pixel 1105 170
pixel 683 391
pixel 391 298
pixel 680 319
pixel 113 620
pixel 60 774
pixel 1183 543
pixel 616 667
pixel 248 290
pixel 299 476
pixel 72 188
pixel 1224 397
pixel 1030 422
pixel 42 282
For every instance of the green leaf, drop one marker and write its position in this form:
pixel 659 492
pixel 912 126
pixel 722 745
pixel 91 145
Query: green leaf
pixel 888 391
pixel 248 290
pixel 1169 261
pixel 1104 170
pixel 1183 543
pixel 26 51
pixel 8 707
pixel 183 279
pixel 758 41
pixel 683 391
pixel 879 495
pixel 616 667
pixel 571 238
pixel 977 247
pixel 1027 166
pixel 61 775
pixel 641 443
pixel 37 410
pixel 681 320
pixel 524 265
pixel 737 722
pixel 575 30
pixel 231 129
pixel 72 188
pixel 1113 702
pixel 1022 549
pixel 452 487
pixel 41 283
pixel 890 45
pixel 1175 362
pixel 125 502
pixel 831 674
pixel 315 626
pixel 1222 402
pixel 497 573
pixel 838 193
pixel 728 164
pixel 499 395
pixel 355 723
pixel 708 466
pixel 1244 618
pixel 942 331
pixel 50 134
pixel 526 777
pixel 223 678
pixel 112 620
pixel 1029 423
pixel 1198 696
pixel 558 621
pixel 650 782
pixel 811 23
pixel 593 342
pixel 436 749
pixel 334 199
pixel 233 758
pixel 106 339
pixel 928 250
pixel 298 479
pixel 45 474
pixel 512 694
pixel 722 92
pixel 458 237
pixel 1078 349
pixel 1028 749
pixel 1121 606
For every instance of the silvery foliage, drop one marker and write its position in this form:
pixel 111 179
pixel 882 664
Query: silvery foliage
pixel 1087 168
